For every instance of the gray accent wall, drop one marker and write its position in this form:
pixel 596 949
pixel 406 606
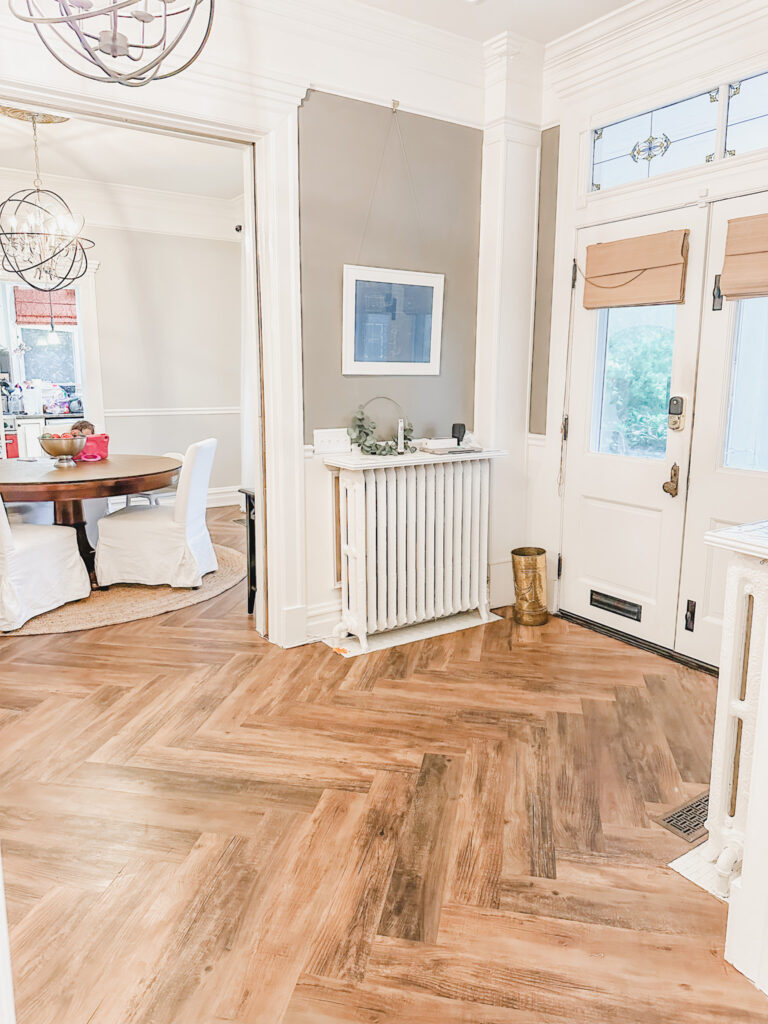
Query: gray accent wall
pixel 341 142
pixel 545 269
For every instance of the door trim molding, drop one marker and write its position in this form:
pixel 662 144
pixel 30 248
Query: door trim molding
pixel 636 641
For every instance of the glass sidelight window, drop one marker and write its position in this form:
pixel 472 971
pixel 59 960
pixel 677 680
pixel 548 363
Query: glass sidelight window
pixel 633 375
pixel 746 439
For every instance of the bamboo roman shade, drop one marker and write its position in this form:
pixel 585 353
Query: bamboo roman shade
pixel 645 271
pixel 745 270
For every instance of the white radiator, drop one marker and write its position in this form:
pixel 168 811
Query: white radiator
pixel 414 543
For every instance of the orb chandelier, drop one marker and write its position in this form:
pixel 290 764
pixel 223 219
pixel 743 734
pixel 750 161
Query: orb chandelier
pixel 130 42
pixel 40 238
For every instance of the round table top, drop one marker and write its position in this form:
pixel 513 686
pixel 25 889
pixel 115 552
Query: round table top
pixel 42 480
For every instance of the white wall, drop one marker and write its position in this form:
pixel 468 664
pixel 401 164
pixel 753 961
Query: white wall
pixel 169 315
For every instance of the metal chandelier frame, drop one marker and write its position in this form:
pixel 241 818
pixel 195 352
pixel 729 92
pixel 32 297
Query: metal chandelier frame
pixel 73 28
pixel 39 234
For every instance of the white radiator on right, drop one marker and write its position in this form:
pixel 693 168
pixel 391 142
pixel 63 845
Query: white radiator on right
pixel 414 539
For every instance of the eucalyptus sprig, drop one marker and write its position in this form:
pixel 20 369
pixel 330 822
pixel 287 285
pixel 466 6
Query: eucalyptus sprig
pixel 362 433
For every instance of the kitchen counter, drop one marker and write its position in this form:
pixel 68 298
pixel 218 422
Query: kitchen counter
pixel 43 416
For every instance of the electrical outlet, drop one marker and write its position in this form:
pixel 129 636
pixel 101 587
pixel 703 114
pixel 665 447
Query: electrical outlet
pixel 332 441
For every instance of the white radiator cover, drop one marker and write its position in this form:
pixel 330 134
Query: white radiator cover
pixel 414 539
pixel 733 862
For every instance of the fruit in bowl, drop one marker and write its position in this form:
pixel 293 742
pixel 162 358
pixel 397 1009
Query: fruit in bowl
pixel 62 448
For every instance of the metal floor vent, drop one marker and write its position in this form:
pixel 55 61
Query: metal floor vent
pixel 689 820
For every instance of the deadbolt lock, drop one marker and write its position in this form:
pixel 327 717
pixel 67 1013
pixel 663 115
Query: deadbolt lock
pixel 672 486
pixel 676 418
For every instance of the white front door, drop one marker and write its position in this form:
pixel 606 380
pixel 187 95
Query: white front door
pixel 729 459
pixel 622 532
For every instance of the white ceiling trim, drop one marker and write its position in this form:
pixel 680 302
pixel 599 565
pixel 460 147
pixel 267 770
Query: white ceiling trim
pixel 295 45
pixel 670 38
pixel 131 208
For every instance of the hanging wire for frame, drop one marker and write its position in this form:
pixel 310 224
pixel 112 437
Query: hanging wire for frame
pixel 394 126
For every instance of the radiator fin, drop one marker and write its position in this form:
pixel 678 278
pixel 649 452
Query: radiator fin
pixel 415 543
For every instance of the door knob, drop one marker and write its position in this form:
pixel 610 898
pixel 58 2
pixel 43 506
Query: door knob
pixel 672 486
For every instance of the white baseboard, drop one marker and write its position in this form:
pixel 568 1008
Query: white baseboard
pixel 218 497
pixel 294 627
pixel 322 619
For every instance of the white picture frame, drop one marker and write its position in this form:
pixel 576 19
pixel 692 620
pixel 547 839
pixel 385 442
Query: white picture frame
pixel 419 331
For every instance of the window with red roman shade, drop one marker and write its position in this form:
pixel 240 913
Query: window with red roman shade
pixel 34 307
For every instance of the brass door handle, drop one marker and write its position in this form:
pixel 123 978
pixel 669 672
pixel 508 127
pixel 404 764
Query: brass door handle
pixel 672 486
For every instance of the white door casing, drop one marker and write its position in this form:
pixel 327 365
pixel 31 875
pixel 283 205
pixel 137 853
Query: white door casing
pixel 7 1012
pixel 719 495
pixel 622 534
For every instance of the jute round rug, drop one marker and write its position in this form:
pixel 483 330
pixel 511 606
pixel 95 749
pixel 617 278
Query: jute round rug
pixel 128 602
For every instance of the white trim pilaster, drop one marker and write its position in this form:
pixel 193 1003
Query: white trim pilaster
pixel 277 183
pixel 506 286
pixel 7 1012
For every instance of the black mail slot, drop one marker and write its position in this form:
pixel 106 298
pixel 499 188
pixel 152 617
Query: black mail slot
pixel 616 605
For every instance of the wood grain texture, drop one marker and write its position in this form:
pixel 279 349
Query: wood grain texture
pixel 197 826
pixel 415 898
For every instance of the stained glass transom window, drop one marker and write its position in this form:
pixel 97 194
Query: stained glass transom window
pixel 669 138
pixel 747 116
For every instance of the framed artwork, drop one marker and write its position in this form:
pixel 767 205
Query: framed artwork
pixel 392 322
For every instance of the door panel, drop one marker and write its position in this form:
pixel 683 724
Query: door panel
pixel 729 457
pixel 622 533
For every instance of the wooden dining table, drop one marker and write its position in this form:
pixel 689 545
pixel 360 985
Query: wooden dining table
pixel 32 480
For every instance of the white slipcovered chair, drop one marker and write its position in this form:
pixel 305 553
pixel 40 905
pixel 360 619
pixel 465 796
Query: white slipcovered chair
pixel 162 544
pixel 40 569
pixel 153 497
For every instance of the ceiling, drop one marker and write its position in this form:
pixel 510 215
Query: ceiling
pixel 119 155
pixel 542 20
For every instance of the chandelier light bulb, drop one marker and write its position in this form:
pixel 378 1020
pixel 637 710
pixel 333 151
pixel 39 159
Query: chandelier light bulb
pixel 127 42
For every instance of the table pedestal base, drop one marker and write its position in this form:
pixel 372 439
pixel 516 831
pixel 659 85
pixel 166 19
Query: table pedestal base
pixel 70 513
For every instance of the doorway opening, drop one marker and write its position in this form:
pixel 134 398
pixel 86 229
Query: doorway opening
pixel 157 345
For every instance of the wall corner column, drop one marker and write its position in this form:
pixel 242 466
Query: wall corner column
pixel 277 197
pixel 512 134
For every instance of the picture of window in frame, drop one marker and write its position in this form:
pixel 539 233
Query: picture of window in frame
pixel 392 322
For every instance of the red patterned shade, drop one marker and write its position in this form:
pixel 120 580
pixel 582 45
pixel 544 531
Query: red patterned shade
pixel 33 307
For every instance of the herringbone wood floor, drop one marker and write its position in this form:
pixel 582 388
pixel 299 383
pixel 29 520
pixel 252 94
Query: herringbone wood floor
pixel 197 827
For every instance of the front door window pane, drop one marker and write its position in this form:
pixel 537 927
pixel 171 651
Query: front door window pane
pixel 633 375
pixel 746 442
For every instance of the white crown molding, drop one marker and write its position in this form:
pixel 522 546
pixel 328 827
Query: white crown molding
pixel 332 45
pixel 691 41
pixel 513 83
pixel 134 208
pixel 418 43
pixel 500 49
